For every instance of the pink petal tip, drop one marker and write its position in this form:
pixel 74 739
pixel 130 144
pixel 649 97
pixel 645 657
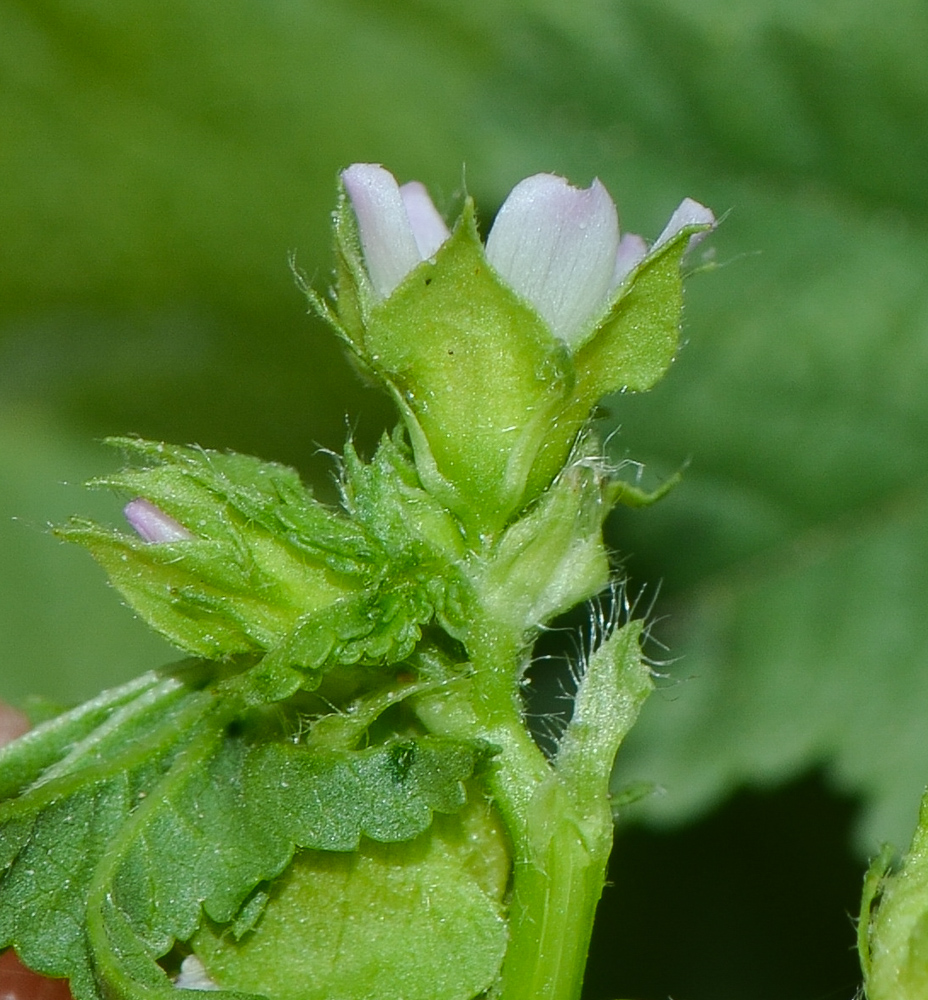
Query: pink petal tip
pixel 152 524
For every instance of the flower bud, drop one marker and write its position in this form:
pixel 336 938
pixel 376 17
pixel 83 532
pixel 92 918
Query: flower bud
pixel 12 725
pixel 152 524
pixel 235 556
pixel 893 934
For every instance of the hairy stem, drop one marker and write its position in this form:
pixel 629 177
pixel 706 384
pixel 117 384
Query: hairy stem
pixel 559 852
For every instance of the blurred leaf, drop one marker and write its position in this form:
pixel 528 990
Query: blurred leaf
pixel 792 554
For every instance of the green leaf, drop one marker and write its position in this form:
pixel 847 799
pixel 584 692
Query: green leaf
pixel 424 540
pixel 83 776
pixel 328 799
pixel 228 818
pixel 437 929
pixel 26 759
pixel 126 821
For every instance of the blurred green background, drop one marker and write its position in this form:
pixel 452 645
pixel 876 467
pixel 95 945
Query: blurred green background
pixel 158 163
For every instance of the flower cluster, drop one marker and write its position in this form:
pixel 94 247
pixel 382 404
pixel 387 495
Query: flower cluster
pixel 349 736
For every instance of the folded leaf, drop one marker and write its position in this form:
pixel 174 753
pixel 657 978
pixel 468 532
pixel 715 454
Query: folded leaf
pixel 129 820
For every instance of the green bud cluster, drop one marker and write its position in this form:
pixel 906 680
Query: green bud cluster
pixel 893 929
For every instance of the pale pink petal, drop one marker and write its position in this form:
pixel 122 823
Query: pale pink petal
pixel 632 251
pixel 387 238
pixel 556 246
pixel 152 524
pixel 687 213
pixel 428 227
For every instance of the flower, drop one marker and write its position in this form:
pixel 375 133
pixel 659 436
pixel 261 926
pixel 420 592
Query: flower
pixel 558 247
pixel 152 524
pixel 497 352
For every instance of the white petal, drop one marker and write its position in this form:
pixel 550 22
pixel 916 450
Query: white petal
pixel 556 246
pixel 632 251
pixel 193 976
pixel 387 238
pixel 428 227
pixel 152 524
pixel 687 213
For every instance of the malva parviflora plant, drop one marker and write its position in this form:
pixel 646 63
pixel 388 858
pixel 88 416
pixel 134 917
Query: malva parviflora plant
pixel 337 794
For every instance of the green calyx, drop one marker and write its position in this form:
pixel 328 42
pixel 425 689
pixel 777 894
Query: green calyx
pixel 268 570
pixel 492 400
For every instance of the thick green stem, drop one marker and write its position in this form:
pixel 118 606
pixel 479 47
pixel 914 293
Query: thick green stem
pixel 555 892
pixel 559 851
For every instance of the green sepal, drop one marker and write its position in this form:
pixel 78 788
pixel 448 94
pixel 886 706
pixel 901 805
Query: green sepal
pixel 477 375
pixel 629 350
pixel 354 296
pixel 635 342
pixel 553 557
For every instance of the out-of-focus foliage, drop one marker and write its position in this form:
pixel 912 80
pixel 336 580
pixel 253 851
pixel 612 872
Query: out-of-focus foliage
pixel 160 161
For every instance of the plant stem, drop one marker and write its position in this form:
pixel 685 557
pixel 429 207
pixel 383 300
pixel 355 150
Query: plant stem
pixel 559 855
pixel 555 892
